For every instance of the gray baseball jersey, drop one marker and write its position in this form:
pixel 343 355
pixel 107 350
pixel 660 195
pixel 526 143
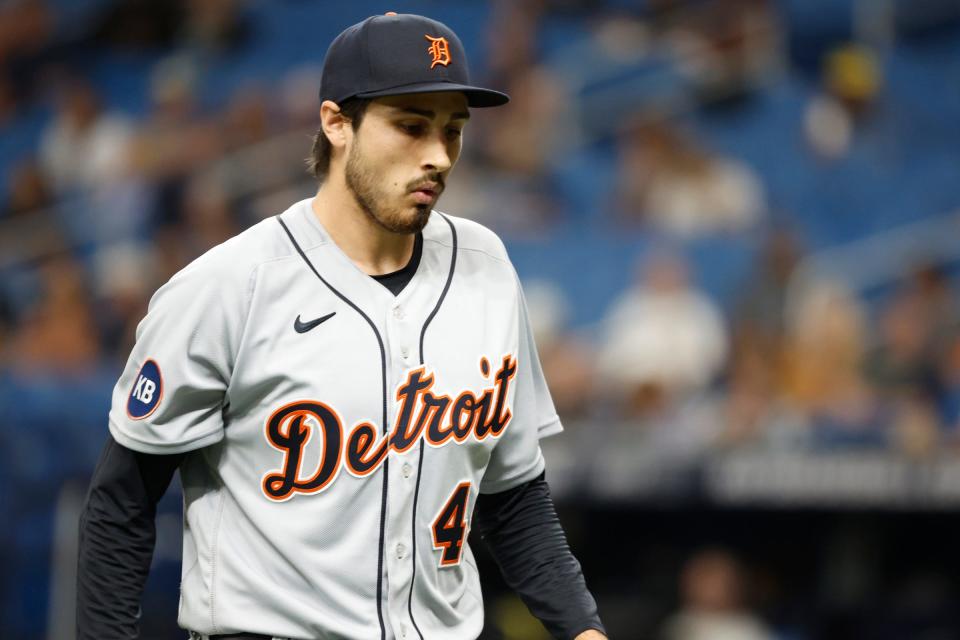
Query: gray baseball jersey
pixel 338 435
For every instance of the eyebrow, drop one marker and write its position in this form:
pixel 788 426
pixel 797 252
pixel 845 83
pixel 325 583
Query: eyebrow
pixel 427 113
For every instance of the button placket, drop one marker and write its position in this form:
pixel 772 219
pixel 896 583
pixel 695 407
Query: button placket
pixel 402 328
pixel 400 333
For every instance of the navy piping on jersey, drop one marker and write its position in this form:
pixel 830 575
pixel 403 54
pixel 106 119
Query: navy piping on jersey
pixel 386 461
pixel 416 491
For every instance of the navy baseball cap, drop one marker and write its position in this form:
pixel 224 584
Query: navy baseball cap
pixel 396 54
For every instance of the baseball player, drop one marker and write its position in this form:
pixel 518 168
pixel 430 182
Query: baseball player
pixel 346 389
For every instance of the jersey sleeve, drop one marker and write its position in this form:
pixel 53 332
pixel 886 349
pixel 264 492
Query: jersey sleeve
pixel 517 457
pixel 171 394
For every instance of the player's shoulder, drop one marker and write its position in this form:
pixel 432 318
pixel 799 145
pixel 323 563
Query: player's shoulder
pixel 262 242
pixel 470 236
pixel 236 259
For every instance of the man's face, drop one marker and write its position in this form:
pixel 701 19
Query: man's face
pixel 399 159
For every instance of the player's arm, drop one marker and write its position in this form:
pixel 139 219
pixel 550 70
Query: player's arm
pixel 117 536
pixel 514 512
pixel 168 400
pixel 522 531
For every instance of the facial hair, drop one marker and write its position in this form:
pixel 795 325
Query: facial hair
pixel 371 196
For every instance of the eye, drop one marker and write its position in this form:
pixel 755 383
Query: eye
pixel 453 133
pixel 412 129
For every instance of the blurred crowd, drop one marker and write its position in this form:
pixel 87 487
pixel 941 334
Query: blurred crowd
pixel 111 202
pixel 126 153
pixel 802 367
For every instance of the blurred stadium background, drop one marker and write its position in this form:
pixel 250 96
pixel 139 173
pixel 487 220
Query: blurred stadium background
pixel 738 222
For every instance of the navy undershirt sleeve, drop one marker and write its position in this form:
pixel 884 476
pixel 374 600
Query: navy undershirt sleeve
pixel 117 537
pixel 525 538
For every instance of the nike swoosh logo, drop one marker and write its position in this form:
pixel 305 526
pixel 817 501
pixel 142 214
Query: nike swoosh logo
pixel 303 327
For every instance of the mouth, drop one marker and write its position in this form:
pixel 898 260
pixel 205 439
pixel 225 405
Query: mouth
pixel 427 193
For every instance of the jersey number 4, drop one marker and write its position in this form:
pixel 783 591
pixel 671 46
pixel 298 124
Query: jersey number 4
pixel 450 526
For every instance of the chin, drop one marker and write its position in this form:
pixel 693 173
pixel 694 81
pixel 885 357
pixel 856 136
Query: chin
pixel 420 217
pixel 411 221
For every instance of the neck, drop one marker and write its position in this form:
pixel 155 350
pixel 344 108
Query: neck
pixel 372 248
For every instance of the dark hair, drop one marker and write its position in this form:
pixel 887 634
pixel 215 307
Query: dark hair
pixel 319 161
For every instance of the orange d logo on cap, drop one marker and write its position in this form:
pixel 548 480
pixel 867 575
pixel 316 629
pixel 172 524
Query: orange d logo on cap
pixel 439 49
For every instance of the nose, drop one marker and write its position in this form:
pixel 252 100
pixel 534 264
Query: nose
pixel 437 155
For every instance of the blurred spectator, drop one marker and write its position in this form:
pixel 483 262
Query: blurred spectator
pixel 662 336
pixel 512 37
pixel 29 190
pixel 567 361
pixel 761 306
pixel 58 333
pixel 916 326
pixel 901 362
pixel 754 409
pixel 207 217
pixel 852 80
pixel 823 363
pixel 950 387
pixel 247 118
pixel 8 100
pixel 174 139
pixel 615 66
pixel 205 26
pixel 939 303
pixel 86 155
pixel 711 589
pixel 214 25
pixel 298 96
pixel 525 135
pixel 666 180
pixel 25 28
pixel 85 147
pixel 172 254
pixel 513 205
pixel 28 230
pixel 124 277
pixel 726 48
pixel 915 426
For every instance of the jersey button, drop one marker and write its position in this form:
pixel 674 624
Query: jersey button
pixel 398 313
pixel 404 352
pixel 406 470
pixel 401 551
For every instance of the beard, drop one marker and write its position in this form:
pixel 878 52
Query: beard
pixel 370 196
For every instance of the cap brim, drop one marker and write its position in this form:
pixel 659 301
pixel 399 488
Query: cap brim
pixel 476 96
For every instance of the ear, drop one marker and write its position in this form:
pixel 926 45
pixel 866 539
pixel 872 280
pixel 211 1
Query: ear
pixel 334 124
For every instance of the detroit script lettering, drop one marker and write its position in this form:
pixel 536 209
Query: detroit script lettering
pixel 437 419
